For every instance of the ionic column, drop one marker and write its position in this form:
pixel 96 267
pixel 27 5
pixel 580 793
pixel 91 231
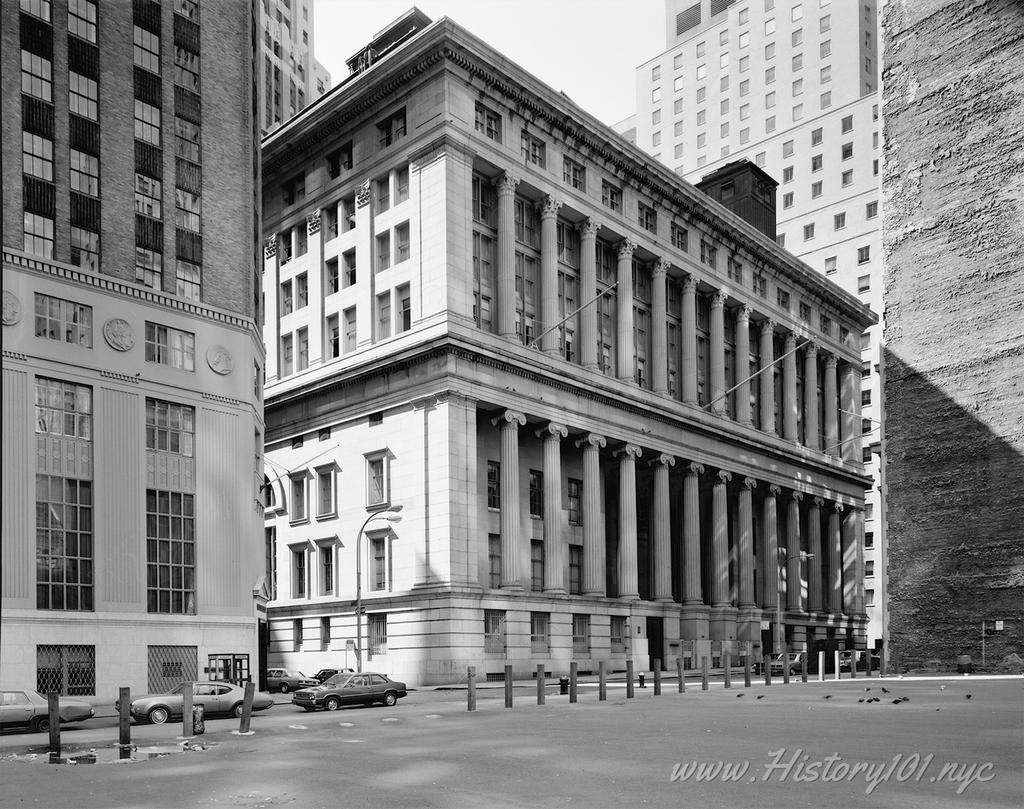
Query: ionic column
pixel 831 407
pixel 554 546
pixel 549 274
pixel 835 559
pixel 814 603
pixel 770 591
pixel 745 532
pixel 624 353
pixel 691 536
pixel 766 379
pixel 659 328
pixel 507 255
pixel 689 338
pixel 851 414
pixel 811 397
pixel 588 289
pixel 662 529
pixel 593 531
pixel 717 349
pixel 720 540
pixel 790 406
pixel 627 521
pixel 743 365
pixel 510 422
pixel 794 602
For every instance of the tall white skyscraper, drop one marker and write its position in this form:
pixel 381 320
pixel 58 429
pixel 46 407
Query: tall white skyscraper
pixel 290 76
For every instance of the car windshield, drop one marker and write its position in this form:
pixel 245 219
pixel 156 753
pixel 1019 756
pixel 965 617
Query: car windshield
pixel 180 688
pixel 338 679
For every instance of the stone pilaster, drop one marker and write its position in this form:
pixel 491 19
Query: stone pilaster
pixel 766 379
pixel 662 528
pixel 588 289
pixel 814 603
pixel 794 598
pixel 510 422
pixel 743 365
pixel 717 349
pixel 831 407
pixel 851 414
pixel 745 536
pixel 689 339
pixel 554 544
pixel 790 405
pixel 770 591
pixel 835 559
pixel 659 328
pixel 593 527
pixel 695 613
pixel 627 561
pixel 811 439
pixel 720 540
pixel 506 282
pixel 624 354
pixel 549 274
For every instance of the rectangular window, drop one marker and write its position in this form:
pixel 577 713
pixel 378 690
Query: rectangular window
pixel 325 492
pixel 64 536
pixel 187 210
pixel 816 189
pixel 611 196
pixel 533 150
pixel 493 485
pixel 540 632
pixel 82 19
pixel 377 626
pixel 864 254
pixel 350 330
pixel 66 670
pixel 376 480
pixel 575 569
pixel 382 195
pixel 287 301
pixel 340 158
pixel 147 122
pixel 808 232
pixel 298 586
pixel 378 566
pixel 384 251
pixel 839 220
pixel 333 338
pixel 187 137
pixel 708 254
pixel 618 633
pixel 847 177
pixel 170 428
pixel 146 50
pixel 391 129
pixel 831 265
pixel 169 346
pixel 149 267
pixel 37 156
pixel 302 349
pixel 170 552
pixel 847 151
pixel 575 496
pixel 871 210
pixel 680 237
pixel 331 277
pixel 188 280
pixel 402 242
pixel 85 173
pixel 647 217
pixel 148 193
pixel 348 260
pixel 574 174
pixel 494 631
pixel 787 200
pixel 536 565
pixel 62 320
pixel 863 284
pixel 301 290
pixel 298 511
pixel 581 634
pixel 403 317
pixel 488 122
pixel 384 315
pixel 83 96
pixel 401 185
pixel 536 494
pixel 494 561
pixel 36 76
pixel 186 68
pixel 782 298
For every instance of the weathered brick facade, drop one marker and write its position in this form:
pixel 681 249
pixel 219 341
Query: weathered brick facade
pixel 954 315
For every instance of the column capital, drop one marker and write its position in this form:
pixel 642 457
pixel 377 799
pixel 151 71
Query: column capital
pixel 660 268
pixel 749 483
pixel 797 496
pixel 626 248
pixel 549 207
pixel 718 299
pixel 767 326
pixel 664 459
pixel 363 195
pixel 509 417
pixel 588 228
pixel 838 507
pixel 313 222
pixel 790 341
pixel 592 440
pixel 689 284
pixel 695 469
pixel 774 491
pixel 818 502
pixel 630 451
pixel 723 476
pixel 743 313
pixel 270 247
pixel 552 429
pixel 506 183
pixel 811 348
pixel 831 360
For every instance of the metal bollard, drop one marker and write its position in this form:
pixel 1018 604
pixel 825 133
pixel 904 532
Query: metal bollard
pixel 704 673
pixel 821 667
pixel 629 679
pixel 124 723
pixel 746 666
pixel 853 664
pixel 803 667
pixel 471 688
pixel 540 683
pixel 766 668
pixel 602 682
pixel 881 661
pixel 679 674
pixel 785 663
pixel 727 661
pixel 250 692
pixel 53 717
pixel 657 678
pixel 572 681
pixel 187 701
pixel 837 665
pixel 508 685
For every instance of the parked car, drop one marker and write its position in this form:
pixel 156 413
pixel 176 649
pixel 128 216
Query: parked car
pixel 284 680
pixel 779 664
pixel 350 689
pixel 325 674
pixel 29 709
pixel 216 698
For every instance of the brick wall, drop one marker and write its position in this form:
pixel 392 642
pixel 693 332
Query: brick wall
pixel 954 336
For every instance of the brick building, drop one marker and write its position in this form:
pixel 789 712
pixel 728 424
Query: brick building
pixel 954 328
pixel 486 307
pixel 132 358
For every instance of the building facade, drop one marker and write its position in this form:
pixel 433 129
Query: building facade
pixel 132 355
pixel 792 85
pixel 489 309
pixel 955 437
pixel 290 76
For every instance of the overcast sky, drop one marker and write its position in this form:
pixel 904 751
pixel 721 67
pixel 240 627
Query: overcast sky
pixel 588 49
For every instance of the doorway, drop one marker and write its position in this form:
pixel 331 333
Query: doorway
pixel 656 641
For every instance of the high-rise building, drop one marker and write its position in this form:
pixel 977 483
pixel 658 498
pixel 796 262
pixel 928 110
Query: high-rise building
pixel 290 77
pixel 791 85
pixel 132 358
pixel 488 309
pixel 954 334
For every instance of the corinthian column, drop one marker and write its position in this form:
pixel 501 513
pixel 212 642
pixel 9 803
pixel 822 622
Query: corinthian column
pixel 767 376
pixel 549 274
pixel 554 545
pixel 510 422
pixel 627 522
pixel 770 591
pixel 507 256
pixel 692 593
pixel 624 353
pixel 814 603
pixel 743 365
pixel 835 559
pixel 794 600
pixel 790 406
pixel 831 407
pixel 811 397
pixel 718 353
pixel 588 289
pixel 593 530
pixel 720 540
pixel 662 529
pixel 689 337
pixel 745 531
pixel 659 328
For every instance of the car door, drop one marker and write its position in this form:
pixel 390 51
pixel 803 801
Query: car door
pixel 15 708
pixel 356 690
pixel 377 686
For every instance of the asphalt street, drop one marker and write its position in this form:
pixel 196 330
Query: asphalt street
pixel 813 745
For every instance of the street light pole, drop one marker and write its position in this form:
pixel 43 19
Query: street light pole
pixel 778 599
pixel 391 515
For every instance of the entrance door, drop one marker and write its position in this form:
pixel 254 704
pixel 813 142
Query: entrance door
pixel 656 641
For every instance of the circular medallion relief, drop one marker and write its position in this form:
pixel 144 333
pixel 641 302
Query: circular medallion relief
pixel 12 308
pixel 219 359
pixel 118 333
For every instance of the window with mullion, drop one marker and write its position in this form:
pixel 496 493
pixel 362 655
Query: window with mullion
pixel 146 49
pixel 36 76
pixel 64 544
pixel 63 320
pixel 82 19
pixel 536 494
pixel 526 296
pixel 37 156
pixel 170 552
pixel 83 96
pixel 493 485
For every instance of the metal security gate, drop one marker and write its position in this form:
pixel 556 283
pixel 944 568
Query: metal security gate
pixel 169 665
pixel 68 670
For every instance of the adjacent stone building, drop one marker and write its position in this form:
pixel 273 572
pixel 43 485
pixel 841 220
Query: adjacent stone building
pixel 489 309
pixel 954 328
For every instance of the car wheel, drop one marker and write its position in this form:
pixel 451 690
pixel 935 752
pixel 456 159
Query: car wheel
pixel 237 711
pixel 284 688
pixel 40 724
pixel 158 716
pixel 332 703
pixel 390 698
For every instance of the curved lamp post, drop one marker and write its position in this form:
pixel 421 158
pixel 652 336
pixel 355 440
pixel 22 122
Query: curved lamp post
pixel 391 515
pixel 780 634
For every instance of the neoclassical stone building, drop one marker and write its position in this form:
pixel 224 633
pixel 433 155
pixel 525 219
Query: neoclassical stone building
pixel 619 420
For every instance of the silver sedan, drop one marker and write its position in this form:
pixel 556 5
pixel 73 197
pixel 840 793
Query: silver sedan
pixel 216 698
